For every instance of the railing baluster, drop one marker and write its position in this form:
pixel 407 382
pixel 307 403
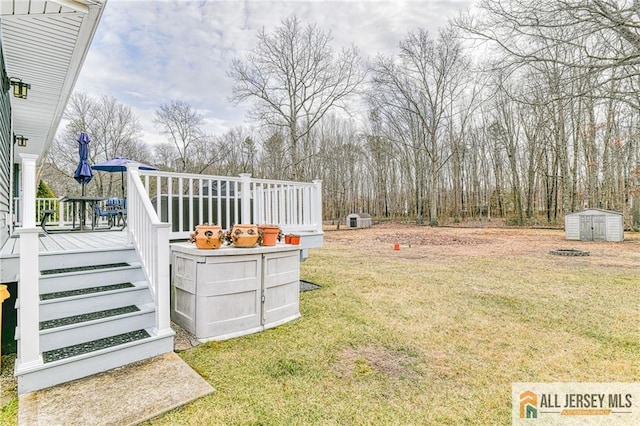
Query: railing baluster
pixel 180 205
pixel 170 201
pixel 159 196
pixel 191 212
pixel 210 203
pixel 200 204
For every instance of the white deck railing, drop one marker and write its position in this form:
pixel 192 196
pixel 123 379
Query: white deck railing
pixel 63 211
pixel 63 215
pixel 184 201
pixel 150 237
pixel 187 200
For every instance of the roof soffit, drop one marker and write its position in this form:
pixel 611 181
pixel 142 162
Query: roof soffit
pixel 45 44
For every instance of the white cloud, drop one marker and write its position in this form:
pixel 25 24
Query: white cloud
pixel 146 53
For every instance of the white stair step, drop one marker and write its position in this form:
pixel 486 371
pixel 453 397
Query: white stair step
pixel 52 373
pixel 76 305
pixel 79 332
pixel 71 259
pixel 82 279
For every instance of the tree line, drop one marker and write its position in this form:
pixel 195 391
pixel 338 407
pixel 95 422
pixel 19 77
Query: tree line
pixel 517 110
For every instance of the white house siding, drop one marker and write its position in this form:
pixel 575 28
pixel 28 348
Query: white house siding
pixel 5 152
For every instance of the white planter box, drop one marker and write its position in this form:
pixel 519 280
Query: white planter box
pixel 230 292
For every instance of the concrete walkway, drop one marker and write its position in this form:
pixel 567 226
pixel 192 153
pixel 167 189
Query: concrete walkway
pixel 124 396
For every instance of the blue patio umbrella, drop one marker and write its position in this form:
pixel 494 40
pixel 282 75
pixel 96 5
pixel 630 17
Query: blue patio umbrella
pixel 83 173
pixel 119 164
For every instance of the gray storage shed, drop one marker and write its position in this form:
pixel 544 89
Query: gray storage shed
pixel 594 225
pixel 358 220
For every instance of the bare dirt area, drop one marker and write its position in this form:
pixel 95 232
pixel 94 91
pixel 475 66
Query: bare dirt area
pixel 424 241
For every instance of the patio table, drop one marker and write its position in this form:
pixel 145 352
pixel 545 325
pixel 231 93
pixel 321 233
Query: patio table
pixel 80 206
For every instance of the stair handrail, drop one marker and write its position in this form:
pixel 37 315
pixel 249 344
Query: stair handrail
pixel 150 237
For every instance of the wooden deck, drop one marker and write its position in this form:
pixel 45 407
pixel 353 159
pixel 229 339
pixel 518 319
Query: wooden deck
pixel 68 241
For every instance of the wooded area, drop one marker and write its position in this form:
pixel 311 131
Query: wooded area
pixel 519 110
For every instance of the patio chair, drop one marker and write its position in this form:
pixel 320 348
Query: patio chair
pixel 99 212
pixel 119 205
pixel 116 202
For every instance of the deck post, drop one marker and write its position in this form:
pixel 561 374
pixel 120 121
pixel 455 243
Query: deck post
pixel 246 197
pixel 28 198
pixel 316 205
pixel 29 270
pixel 133 172
pixel 29 297
pixel 163 290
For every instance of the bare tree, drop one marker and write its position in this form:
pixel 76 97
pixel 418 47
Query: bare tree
pixel 274 149
pixel 237 152
pixel 182 125
pixel 341 158
pixel 381 164
pixel 417 91
pixel 589 36
pixel 294 77
pixel 114 131
pixel 165 156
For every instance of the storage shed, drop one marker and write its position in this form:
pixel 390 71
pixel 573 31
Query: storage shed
pixel 358 220
pixel 594 225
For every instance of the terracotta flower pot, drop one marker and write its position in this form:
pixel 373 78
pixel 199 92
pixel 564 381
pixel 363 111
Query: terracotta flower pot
pixel 244 235
pixel 295 239
pixel 207 236
pixel 287 239
pixel 270 234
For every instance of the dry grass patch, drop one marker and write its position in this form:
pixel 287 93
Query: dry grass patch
pixel 354 363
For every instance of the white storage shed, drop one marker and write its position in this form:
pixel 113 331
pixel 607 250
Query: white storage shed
pixel 594 225
pixel 358 220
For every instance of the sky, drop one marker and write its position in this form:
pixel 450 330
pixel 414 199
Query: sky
pixel 146 53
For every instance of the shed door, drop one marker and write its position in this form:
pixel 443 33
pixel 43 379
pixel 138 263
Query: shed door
pixel 353 222
pixel 593 228
pixel 599 225
pixel 586 228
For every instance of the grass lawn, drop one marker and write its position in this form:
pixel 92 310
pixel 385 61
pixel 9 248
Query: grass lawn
pixel 434 333
pixel 430 334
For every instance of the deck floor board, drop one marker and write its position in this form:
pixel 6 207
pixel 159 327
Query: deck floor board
pixel 69 241
pixel 48 244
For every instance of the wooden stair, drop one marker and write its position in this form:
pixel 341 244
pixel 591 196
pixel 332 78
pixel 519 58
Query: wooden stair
pixel 96 313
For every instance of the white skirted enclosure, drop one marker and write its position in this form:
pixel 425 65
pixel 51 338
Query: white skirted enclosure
pixel 594 225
